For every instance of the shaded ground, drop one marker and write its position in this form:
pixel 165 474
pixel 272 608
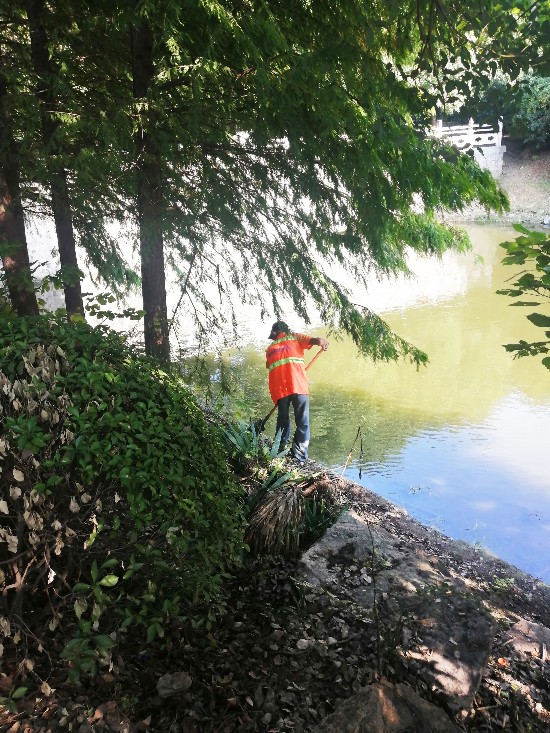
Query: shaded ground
pixel 526 180
pixel 287 653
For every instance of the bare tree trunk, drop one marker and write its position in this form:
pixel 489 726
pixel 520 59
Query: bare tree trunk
pixel 15 254
pixel 61 204
pixel 150 202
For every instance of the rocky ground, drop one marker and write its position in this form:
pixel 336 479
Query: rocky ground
pixel 289 651
pixel 526 180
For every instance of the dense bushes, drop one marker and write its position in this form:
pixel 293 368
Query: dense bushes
pixel 531 121
pixel 117 508
pixel 524 104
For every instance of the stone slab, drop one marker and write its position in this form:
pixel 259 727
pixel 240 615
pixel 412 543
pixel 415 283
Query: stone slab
pixel 530 639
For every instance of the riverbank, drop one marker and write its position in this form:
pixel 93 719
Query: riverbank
pixel 288 653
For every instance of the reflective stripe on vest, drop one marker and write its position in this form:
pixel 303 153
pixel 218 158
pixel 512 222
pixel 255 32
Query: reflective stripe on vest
pixel 285 338
pixel 289 360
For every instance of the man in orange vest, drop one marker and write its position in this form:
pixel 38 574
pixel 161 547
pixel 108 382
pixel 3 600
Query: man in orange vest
pixel 288 384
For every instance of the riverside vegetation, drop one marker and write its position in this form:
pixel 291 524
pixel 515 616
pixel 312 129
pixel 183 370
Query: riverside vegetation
pixel 120 519
pixel 119 513
pixel 208 129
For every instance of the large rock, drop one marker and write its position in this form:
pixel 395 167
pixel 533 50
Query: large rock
pixel 386 708
pixel 530 639
pixel 453 634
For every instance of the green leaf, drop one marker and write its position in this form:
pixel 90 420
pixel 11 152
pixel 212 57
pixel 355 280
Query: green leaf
pixel 152 631
pixel 109 563
pixel 109 581
pixel 529 303
pixel 103 642
pixel 81 588
pixel 521 228
pixel 90 541
pixel 539 320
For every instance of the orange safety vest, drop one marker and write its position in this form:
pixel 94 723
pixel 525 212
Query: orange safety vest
pixel 285 361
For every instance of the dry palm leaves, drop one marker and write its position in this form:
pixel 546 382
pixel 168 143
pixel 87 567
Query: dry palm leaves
pixel 275 522
pixel 274 525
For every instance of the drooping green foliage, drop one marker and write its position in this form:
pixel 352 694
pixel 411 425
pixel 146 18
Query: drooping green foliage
pixel 289 142
pixel 77 145
pixel 531 248
pixel 118 510
pixel 304 151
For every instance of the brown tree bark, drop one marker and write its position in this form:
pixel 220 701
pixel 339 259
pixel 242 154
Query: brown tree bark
pixel 61 204
pixel 15 253
pixel 149 201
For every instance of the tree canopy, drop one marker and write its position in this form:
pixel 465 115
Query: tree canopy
pixel 259 147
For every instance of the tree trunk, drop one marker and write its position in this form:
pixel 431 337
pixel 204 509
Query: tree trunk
pixel 61 204
pixel 15 258
pixel 15 254
pixel 149 201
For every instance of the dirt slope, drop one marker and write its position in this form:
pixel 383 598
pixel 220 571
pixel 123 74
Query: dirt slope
pixel 526 180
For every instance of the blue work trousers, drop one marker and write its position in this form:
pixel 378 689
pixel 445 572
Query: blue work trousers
pixel 300 442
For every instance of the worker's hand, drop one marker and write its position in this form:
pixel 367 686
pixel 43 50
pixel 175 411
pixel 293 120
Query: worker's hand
pixel 323 343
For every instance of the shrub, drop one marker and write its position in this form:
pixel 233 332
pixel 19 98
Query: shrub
pixel 532 120
pixel 117 505
pixel 497 99
pixel 319 515
pixel 524 105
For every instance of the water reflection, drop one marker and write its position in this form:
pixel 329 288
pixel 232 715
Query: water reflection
pixel 462 443
pixel 484 483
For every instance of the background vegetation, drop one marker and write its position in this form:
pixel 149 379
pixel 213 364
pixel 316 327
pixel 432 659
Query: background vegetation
pixel 523 104
pixel 249 148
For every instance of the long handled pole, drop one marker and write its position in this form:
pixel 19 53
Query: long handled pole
pixel 261 423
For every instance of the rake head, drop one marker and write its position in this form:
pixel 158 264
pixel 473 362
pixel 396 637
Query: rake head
pixel 259 425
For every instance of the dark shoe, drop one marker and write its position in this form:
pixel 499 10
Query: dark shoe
pixel 297 459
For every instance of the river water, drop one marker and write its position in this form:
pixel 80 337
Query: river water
pixel 461 444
